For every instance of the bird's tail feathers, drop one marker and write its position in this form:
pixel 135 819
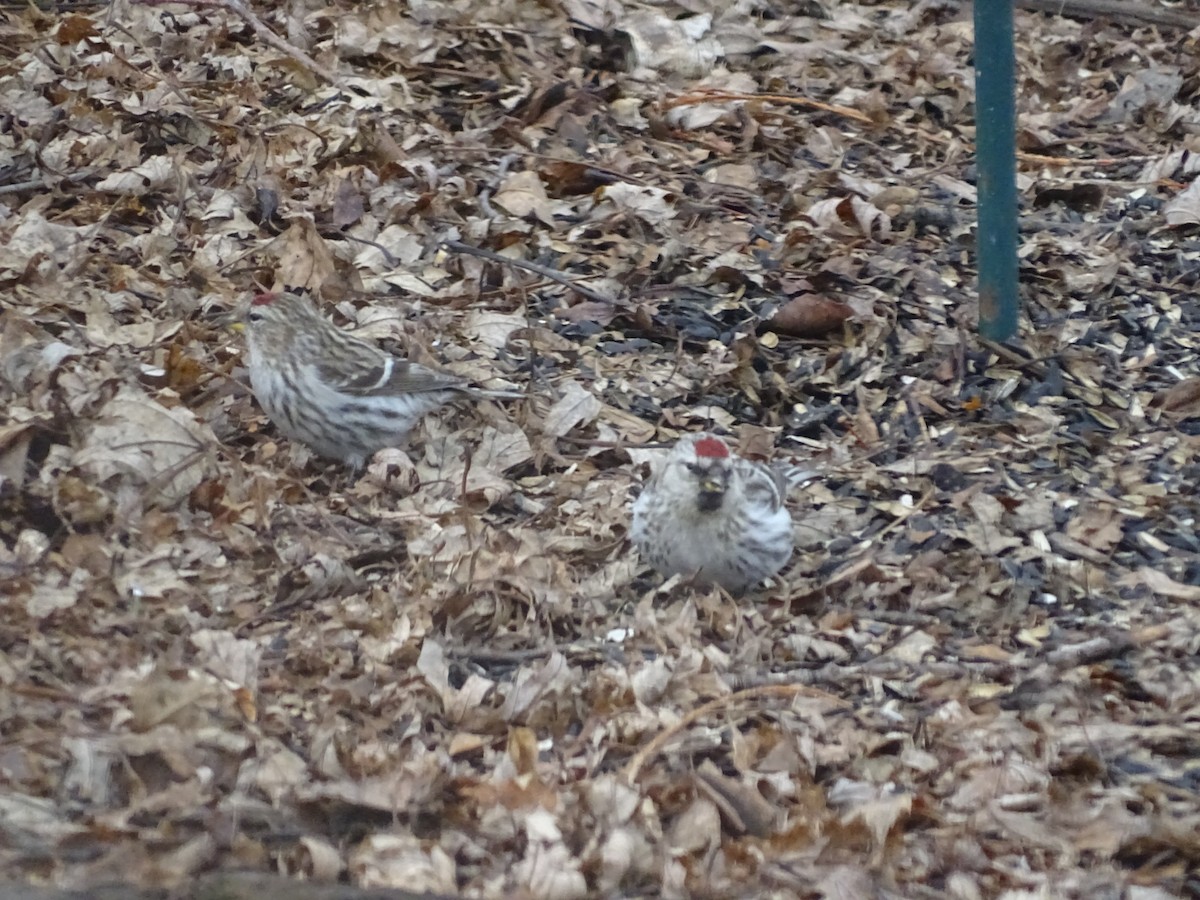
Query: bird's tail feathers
pixel 495 395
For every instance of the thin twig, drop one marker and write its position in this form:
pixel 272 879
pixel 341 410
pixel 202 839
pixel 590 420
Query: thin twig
pixel 1117 10
pixel 239 8
pixel 20 186
pixel 634 767
pixel 40 181
pixel 1091 651
pixel 270 37
pixel 544 271
pixel 697 97
pixel 485 657
pixel 613 445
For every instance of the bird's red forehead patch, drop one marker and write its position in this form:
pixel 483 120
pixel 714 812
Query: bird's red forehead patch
pixel 266 298
pixel 710 448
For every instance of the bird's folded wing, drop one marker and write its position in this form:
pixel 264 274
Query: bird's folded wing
pixel 795 476
pixel 764 485
pixel 369 374
pixel 407 377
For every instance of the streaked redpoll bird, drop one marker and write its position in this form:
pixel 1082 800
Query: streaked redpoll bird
pixel 342 396
pixel 710 514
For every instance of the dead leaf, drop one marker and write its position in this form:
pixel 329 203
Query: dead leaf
pixel 1181 400
pixel 809 315
pixel 575 407
pixel 136 439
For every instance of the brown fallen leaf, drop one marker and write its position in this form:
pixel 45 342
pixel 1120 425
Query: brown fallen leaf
pixel 565 178
pixel 1181 400
pixel 809 315
pixel 588 311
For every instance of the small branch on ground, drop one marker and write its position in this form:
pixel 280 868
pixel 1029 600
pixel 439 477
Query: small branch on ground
pixel 544 271
pixel 265 34
pixel 1091 651
pixel 704 96
pixel 1133 13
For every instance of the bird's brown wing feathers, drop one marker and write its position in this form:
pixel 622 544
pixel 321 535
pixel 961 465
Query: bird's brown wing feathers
pixel 414 378
pixel 377 374
pixel 362 369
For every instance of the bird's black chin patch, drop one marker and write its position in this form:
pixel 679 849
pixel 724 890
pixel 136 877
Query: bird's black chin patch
pixel 710 501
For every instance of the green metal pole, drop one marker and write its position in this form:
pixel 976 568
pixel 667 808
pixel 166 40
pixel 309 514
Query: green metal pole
pixel 996 159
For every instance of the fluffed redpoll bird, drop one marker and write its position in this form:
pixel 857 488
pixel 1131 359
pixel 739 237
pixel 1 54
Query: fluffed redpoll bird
pixel 342 396
pixel 721 518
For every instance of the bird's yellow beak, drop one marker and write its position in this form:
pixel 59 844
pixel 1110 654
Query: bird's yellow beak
pixel 231 319
pixel 712 486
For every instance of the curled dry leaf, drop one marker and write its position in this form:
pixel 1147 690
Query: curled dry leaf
pixel 837 213
pixel 892 200
pixel 1184 208
pixel 316 860
pixel 743 808
pixel 393 470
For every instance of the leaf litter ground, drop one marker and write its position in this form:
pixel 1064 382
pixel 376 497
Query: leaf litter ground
pixel 449 672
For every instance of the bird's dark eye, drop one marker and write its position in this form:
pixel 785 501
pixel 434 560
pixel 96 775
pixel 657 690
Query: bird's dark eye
pixel 255 315
pixel 693 467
